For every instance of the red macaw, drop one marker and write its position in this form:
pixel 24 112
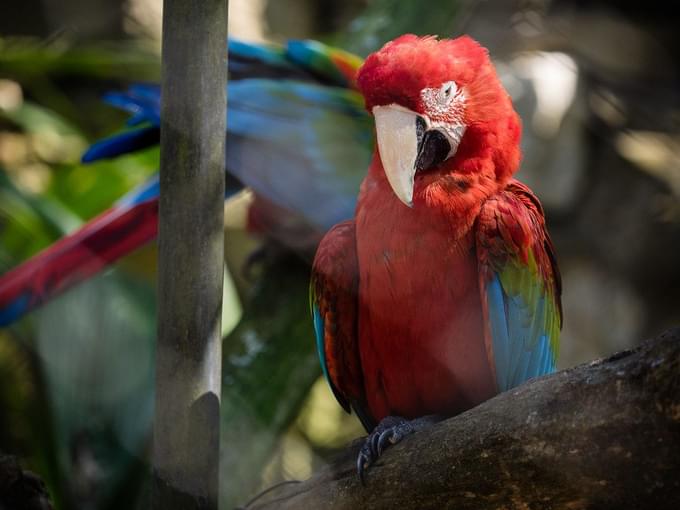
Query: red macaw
pixel 444 289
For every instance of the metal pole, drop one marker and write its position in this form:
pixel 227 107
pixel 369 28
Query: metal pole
pixel 191 259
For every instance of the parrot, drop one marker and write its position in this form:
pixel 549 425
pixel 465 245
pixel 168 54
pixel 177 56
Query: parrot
pixel 443 290
pixel 297 134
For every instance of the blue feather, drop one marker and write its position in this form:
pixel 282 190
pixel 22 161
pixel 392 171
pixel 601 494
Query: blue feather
pixel 266 54
pixel 137 105
pixel 14 310
pixel 520 329
pixel 145 191
pixel 122 143
pixel 319 332
pixel 499 331
pixel 319 137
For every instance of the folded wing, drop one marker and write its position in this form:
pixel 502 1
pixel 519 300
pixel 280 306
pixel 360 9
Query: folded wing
pixel 520 287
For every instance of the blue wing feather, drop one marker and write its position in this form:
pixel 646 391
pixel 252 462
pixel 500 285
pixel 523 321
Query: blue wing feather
pixel 319 333
pixel 296 134
pixel 521 334
pixel 122 143
pixel 499 331
pixel 264 53
pixel 520 286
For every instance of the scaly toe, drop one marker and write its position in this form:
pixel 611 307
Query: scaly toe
pixel 389 431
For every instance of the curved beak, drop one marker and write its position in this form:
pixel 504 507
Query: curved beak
pixel 407 143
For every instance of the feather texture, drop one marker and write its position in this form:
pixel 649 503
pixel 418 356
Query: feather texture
pixel 520 287
pixel 333 302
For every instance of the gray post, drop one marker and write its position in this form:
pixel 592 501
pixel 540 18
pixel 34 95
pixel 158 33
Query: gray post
pixel 191 259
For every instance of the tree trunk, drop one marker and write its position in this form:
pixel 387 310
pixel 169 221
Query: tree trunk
pixel 190 256
pixel 601 435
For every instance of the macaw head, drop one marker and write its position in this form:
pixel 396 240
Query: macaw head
pixel 442 116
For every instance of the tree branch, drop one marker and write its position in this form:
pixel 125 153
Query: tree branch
pixel 600 435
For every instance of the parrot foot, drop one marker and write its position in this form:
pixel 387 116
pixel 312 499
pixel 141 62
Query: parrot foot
pixel 389 431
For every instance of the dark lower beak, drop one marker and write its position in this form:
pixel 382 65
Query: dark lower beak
pixel 433 146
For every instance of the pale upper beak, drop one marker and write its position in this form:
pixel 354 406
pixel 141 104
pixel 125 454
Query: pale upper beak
pixel 408 142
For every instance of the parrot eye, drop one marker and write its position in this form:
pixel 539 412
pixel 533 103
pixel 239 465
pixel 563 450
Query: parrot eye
pixel 447 91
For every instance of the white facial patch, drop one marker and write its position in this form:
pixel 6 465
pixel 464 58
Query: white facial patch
pixel 444 100
pixel 445 107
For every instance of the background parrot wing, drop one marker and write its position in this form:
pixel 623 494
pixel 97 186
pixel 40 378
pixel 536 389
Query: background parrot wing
pixel 79 255
pixel 297 134
pixel 333 302
pixel 303 146
pixel 520 287
pixel 297 130
pixel 302 61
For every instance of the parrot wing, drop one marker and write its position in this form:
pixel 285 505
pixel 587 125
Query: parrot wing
pixel 303 146
pixel 333 302
pixel 78 256
pixel 297 130
pixel 297 134
pixel 302 61
pixel 520 286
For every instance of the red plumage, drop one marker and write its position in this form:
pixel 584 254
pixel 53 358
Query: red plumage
pixel 420 316
pixel 80 255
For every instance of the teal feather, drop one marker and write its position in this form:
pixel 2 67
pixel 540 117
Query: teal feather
pixel 522 322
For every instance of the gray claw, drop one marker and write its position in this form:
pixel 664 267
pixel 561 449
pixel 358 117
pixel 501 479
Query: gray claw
pixel 389 431
pixel 362 464
pixel 386 438
pixel 375 439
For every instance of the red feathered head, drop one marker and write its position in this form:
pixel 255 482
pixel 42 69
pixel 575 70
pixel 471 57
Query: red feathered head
pixel 439 107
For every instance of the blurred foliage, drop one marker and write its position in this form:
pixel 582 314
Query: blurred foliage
pixel 70 78
pixel 269 364
pixel 26 59
pixel 383 20
pixel 26 426
pixel 90 351
pixel 41 156
pixel 76 376
pixel 95 345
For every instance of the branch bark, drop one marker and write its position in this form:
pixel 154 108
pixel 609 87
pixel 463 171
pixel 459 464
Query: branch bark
pixel 601 435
